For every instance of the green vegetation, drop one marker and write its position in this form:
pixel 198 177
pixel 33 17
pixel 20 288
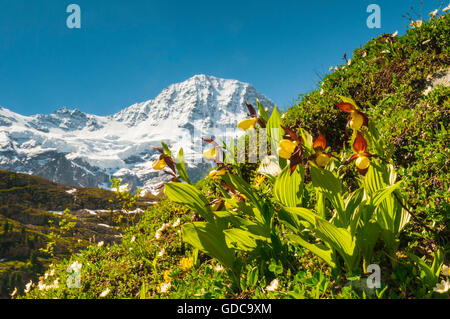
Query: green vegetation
pixel 313 227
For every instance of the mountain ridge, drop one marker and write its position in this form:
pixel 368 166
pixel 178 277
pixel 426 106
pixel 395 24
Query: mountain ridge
pixel 87 150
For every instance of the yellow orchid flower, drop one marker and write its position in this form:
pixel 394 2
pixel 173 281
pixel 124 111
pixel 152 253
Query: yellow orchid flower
pixel 210 154
pixel 247 124
pixel 159 164
pixel 286 148
pixel 217 172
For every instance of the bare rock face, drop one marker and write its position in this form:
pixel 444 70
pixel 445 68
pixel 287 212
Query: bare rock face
pixel 78 149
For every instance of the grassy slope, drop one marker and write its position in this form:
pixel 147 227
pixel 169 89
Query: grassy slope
pixel 387 78
pixel 25 202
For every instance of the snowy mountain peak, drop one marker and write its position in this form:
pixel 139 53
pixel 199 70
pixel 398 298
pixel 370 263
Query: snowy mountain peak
pixel 79 149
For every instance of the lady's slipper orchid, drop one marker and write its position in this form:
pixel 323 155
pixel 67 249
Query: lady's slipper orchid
pixel 218 172
pixel 290 148
pixel 214 153
pixel 286 148
pixel 319 146
pixel 361 156
pixel 159 164
pixel 357 118
pixel 247 124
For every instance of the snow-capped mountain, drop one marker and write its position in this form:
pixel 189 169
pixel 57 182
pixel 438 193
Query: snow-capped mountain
pixel 74 148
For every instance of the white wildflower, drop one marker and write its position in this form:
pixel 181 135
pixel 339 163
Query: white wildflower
pixel 158 234
pixel 322 91
pixel 269 166
pixel 349 62
pixel 28 287
pixel 52 273
pixel 445 270
pixel 434 13
pixel 273 285
pixel 177 223
pixel 76 266
pixel 105 293
pixel 100 244
pixel 55 283
pixel 165 287
pixel 133 239
pixel 395 34
pixel 443 287
pixel 162 252
pixel 427 91
pixel 14 293
pixel 218 268
pixel 446 8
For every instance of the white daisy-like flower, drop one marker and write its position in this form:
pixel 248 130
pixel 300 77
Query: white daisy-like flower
pixel 162 252
pixel 322 91
pixel 349 62
pixel 133 239
pixel 443 287
pixel 14 293
pixel 55 283
pixel 446 8
pixel 52 273
pixel 273 285
pixel 176 223
pixel 395 34
pixel 105 293
pixel 100 244
pixel 158 234
pixel 434 13
pixel 269 166
pixel 165 287
pixel 218 268
pixel 28 287
pixel 427 91
pixel 445 270
pixel 76 266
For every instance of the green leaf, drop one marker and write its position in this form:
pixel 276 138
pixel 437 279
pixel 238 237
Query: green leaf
pixel 325 181
pixel 241 239
pixel 328 184
pixel 323 252
pixel 181 166
pixel 252 277
pixel 340 239
pixel 430 277
pixel 191 197
pixel 166 149
pixel 262 112
pixel 379 196
pixel 275 133
pixel 301 212
pixel 288 189
pixel 210 240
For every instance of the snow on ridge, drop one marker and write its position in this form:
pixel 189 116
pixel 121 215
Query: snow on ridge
pixel 120 144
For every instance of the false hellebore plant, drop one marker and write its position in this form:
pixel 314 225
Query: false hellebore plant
pixel 241 225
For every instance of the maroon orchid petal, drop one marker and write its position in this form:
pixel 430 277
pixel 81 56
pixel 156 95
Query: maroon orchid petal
pixel 320 144
pixel 251 110
pixel 360 144
pixel 346 107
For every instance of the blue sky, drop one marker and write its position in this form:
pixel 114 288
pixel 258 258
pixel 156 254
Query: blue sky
pixel 128 51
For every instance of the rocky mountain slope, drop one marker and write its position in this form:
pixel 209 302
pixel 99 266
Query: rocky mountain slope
pixel 74 148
